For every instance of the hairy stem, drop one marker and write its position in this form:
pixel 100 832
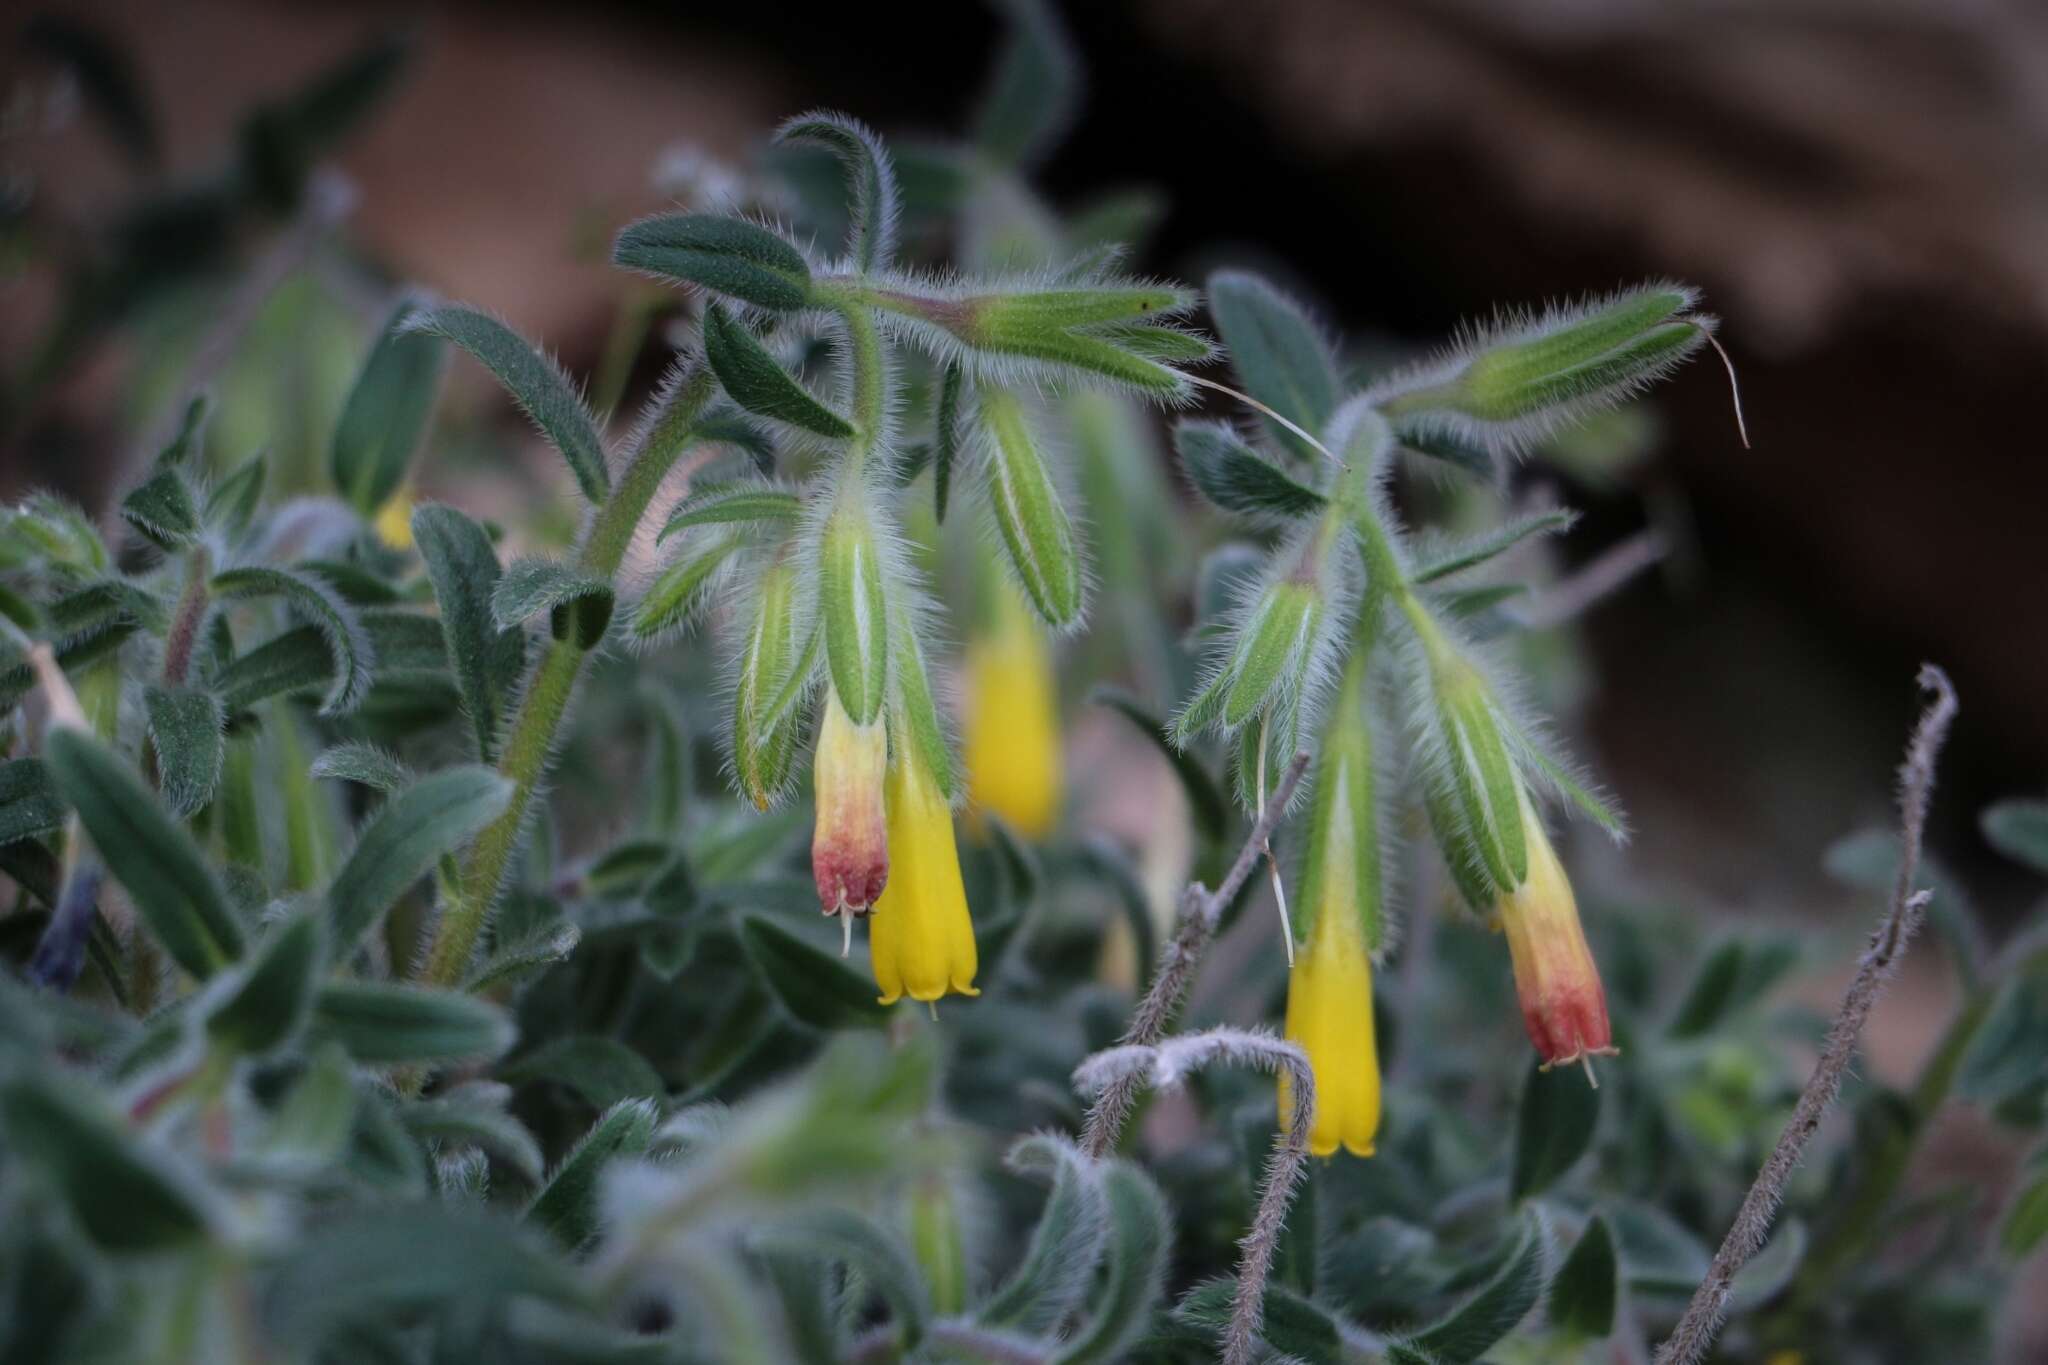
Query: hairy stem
pixel 552 683
pixel 189 616
pixel 1200 910
pixel 1694 1336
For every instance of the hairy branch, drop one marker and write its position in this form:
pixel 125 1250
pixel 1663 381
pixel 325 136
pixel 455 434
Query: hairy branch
pixel 1694 1335
pixel 1169 1063
pixel 1200 909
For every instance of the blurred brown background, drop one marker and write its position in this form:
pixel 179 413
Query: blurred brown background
pixel 1858 187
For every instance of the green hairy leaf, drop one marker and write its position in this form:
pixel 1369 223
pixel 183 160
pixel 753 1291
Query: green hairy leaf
pixel 579 604
pixel 163 509
pixel 30 804
pixel 1034 89
pixel 1472 1329
pixel 566 1206
pixel 1235 477
pixel 185 730
pixel 401 844
pixel 1029 511
pixel 1140 1238
pixel 2019 830
pixel 603 1071
pixel 871 185
pixel 535 383
pixel 348 641
pixel 125 1196
pixel 1583 1296
pixel 486 658
pixel 755 379
pixel 387 410
pixel 383 1024
pixel 1280 356
pixel 273 996
pixel 728 256
pixel 729 504
pixel 1066 1244
pixel 814 986
pixel 878 1256
pixel 163 870
pixel 1559 1113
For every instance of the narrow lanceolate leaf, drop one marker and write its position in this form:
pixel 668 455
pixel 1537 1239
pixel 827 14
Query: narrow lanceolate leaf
pixel 1237 478
pixel 362 763
pixel 185 730
pixel 163 509
pixel 1583 1296
pixel 1434 562
pixel 311 1126
pixel 165 873
pixel 525 957
pixel 463 1120
pixel 402 842
pixel 855 611
pixel 487 659
pixel 877 1255
pixel 386 412
pixel 536 384
pixel 1029 510
pixel 870 180
pixel 946 438
pixel 348 642
pixel 125 1196
pixel 579 604
pixel 1475 1326
pixel 1059 1265
pixel 231 504
pixel 301 660
pixel 814 986
pixel 566 1208
pixel 384 1024
pixel 754 378
pixel 728 256
pixel 674 596
pixel 273 996
pixel 1280 357
pixel 730 504
pixel 1555 1128
pixel 1140 1238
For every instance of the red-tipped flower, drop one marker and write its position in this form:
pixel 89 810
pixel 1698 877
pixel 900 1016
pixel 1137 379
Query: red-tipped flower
pixel 1563 1004
pixel 850 842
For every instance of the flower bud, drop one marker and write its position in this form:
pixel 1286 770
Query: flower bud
pixel 921 936
pixel 1012 729
pixel 853 604
pixel 1029 511
pixel 850 843
pixel 1564 1006
pixel 1521 380
pixel 774 661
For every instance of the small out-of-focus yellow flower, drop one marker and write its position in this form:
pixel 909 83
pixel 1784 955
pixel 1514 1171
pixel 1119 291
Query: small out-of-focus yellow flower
pixel 1012 733
pixel 920 935
pixel 1329 990
pixel 1564 1007
pixel 394 520
pixel 850 841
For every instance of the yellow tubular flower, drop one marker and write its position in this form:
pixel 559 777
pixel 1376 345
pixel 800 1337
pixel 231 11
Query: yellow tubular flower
pixel 1329 990
pixel 394 520
pixel 920 934
pixel 1011 737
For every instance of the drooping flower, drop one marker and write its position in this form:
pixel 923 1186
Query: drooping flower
pixel 850 842
pixel 1329 989
pixel 1564 1006
pixel 920 935
pixel 1011 736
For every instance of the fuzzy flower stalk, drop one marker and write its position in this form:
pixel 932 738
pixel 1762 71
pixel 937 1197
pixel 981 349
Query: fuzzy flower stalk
pixel 1329 988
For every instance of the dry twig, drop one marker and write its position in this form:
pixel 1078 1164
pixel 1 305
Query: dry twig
pixel 1694 1335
